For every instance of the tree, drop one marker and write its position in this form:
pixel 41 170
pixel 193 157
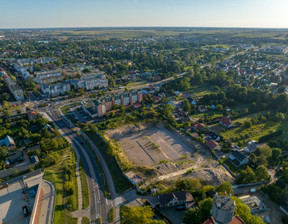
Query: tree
pixel 198 214
pixel 54 144
pixel 219 107
pixel 261 173
pixel 68 186
pixel 138 215
pixel 276 153
pixel 6 105
pixel 248 123
pixel 3 153
pixel 246 176
pixel 189 184
pixel 244 213
pixel 186 105
pixel 225 187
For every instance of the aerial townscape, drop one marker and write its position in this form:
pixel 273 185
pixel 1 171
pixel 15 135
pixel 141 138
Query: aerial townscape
pixel 138 124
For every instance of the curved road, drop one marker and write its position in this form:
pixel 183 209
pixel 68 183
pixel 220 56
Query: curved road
pixel 99 205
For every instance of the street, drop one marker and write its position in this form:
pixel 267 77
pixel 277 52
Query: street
pixel 99 205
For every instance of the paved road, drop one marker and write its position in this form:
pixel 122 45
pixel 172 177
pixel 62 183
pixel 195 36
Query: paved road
pixel 99 205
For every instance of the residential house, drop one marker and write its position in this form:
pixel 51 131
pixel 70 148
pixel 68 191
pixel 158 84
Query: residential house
pixel 213 145
pixel 7 141
pixel 198 126
pixel 226 122
pixel 251 147
pixel 238 158
pixel 214 136
pixel 235 220
pixel 32 115
pixel 178 198
pixel 34 159
pixel 202 108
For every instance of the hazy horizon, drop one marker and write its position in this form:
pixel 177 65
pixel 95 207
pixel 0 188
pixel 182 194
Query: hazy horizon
pixel 19 14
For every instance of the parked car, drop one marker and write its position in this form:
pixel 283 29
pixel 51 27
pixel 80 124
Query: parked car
pixel 180 208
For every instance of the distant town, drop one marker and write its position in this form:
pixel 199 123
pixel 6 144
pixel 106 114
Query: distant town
pixel 150 125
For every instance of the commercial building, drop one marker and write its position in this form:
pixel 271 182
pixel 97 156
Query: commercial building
pixel 14 88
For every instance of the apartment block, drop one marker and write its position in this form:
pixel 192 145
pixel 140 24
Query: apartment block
pixel 48 77
pixel 55 89
pixel 14 88
pixel 104 104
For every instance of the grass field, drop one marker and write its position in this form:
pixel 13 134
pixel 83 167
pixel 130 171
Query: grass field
pixel 111 215
pixel 56 175
pixel 200 90
pixel 120 181
pixel 84 186
pixel 257 131
pixel 133 84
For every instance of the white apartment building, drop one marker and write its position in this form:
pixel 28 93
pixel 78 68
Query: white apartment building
pixel 90 82
pixel 56 89
pixel 49 76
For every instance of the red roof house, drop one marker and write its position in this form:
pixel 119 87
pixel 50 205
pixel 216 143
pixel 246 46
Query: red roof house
pixel 235 220
pixel 213 145
pixel 198 126
pixel 226 122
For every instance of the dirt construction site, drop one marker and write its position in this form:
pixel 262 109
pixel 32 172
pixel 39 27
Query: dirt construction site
pixel 168 152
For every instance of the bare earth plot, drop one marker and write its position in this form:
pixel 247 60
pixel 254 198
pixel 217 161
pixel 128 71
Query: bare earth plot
pixel 171 154
pixel 152 145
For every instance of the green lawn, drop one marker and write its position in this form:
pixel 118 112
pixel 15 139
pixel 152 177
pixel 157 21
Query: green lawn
pixel 200 90
pixel 65 108
pixel 211 114
pixel 133 84
pixel 111 215
pixel 56 175
pixel 84 186
pixel 120 181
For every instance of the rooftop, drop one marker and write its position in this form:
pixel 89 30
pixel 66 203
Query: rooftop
pixel 223 202
pixel 12 200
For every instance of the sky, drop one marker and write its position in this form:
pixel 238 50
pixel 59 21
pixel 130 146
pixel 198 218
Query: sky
pixel 125 13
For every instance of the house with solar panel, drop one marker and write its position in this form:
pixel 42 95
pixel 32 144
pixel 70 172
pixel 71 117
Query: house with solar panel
pixel 238 158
